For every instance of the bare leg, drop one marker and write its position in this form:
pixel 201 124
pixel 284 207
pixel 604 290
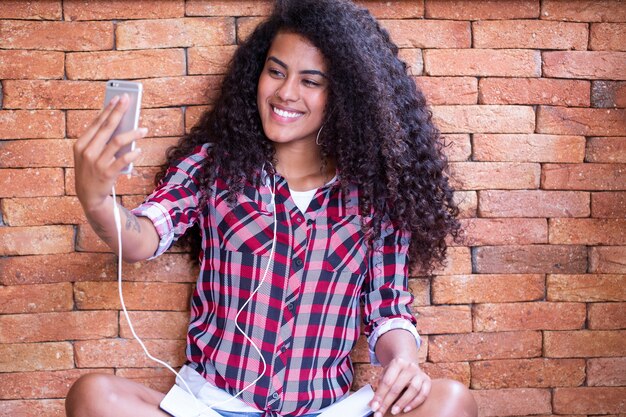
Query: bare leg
pixel 102 395
pixel 447 398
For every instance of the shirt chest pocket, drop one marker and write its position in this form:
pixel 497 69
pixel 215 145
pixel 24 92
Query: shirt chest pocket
pixel 245 228
pixel 342 245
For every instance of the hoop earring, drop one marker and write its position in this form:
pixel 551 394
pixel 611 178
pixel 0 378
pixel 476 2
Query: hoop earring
pixel 317 139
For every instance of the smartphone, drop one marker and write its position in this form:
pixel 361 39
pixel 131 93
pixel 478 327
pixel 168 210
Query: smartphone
pixel 130 120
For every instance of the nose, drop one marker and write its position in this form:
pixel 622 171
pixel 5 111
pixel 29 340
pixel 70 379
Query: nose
pixel 288 90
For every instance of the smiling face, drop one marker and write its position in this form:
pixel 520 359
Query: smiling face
pixel 292 90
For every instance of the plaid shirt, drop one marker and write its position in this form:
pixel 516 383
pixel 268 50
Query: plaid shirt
pixel 305 318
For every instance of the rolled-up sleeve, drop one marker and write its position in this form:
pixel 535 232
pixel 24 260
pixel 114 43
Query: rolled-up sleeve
pixel 173 205
pixel 386 297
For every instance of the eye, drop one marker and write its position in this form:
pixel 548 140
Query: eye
pixel 310 83
pixel 275 73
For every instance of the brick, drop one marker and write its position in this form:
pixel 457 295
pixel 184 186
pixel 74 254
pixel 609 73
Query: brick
pixel 529 34
pixel 245 26
pixel 159 122
pixel 30 385
pixel 228 8
pixel 56 36
pixel 484 346
pixel 606 94
pixel 496 288
pixel 41 211
pixel 547 91
pixel 75 267
pixel 606 149
pixel 156 324
pixel 53 94
pixel 458 261
pixel 23 182
pixel 607 259
pixel 580 121
pixel 429 33
pixel 209 59
pixel 607 37
pixel 458 371
pixel 127 353
pixel 412 57
pixel 590 400
pixel 529 259
pixel 528 316
pixel 606 372
pixel 592 65
pixel 44 327
pixel 499 175
pixel 192 116
pixel 593 177
pixel 32 10
pixel 21 65
pixel 529 148
pixel 159 379
pixel 583 11
pixel 175 33
pixel 137 296
pixel 484 119
pixel 27 124
pixel 533 203
pixel 181 91
pixel 36 240
pixel 606 316
pixel 467 202
pixel 513 401
pixel 33 408
pixel 588 231
pixel 443 319
pixel 493 232
pixel 484 10
pixel 36 153
pixel 360 353
pixel 153 150
pixel 36 298
pixel 531 373
pixel 403 9
pixel 24 357
pixel 608 205
pixel 449 90
pixel 88 241
pixel 456 147
pixel 113 9
pixel 586 288
pixel 584 343
pixel 483 62
pixel 141 181
pixel 420 289
pixel 125 64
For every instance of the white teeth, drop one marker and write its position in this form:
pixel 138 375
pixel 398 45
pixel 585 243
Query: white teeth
pixel 284 113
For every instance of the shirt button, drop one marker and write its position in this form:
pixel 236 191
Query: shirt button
pixel 298 262
pixel 275 395
pixel 290 306
pixel 283 349
pixel 299 219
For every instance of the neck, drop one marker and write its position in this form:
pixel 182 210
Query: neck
pixel 300 163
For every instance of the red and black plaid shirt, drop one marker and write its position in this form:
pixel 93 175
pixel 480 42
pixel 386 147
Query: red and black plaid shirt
pixel 305 318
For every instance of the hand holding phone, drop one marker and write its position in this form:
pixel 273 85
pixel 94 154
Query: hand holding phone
pixel 130 120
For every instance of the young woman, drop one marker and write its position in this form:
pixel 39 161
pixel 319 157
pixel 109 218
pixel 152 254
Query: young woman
pixel 308 190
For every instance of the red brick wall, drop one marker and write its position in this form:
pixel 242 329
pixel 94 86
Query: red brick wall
pixel 531 95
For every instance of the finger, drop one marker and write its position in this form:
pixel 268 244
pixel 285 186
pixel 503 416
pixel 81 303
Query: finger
pixel 410 396
pixel 107 127
pixel 123 161
pixel 117 143
pixel 95 124
pixel 384 385
pixel 420 397
pixel 395 391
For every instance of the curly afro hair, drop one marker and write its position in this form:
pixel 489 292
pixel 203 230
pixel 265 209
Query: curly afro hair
pixel 379 131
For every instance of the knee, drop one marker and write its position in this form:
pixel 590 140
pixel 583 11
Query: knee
pixel 459 400
pixel 88 394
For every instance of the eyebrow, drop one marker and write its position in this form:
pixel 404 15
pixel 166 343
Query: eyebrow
pixel 309 72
